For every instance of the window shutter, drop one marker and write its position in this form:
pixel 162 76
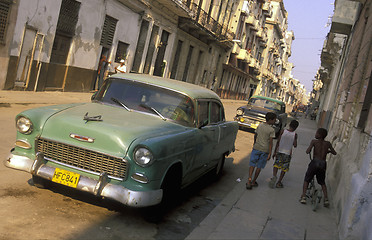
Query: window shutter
pixel 108 31
pixel 4 15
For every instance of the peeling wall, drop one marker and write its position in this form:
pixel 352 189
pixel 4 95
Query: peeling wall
pixel 349 173
pixel 42 15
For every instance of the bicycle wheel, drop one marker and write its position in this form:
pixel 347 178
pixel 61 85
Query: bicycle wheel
pixel 314 200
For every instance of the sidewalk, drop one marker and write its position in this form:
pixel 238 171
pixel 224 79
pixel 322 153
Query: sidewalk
pixel 28 97
pixel 265 213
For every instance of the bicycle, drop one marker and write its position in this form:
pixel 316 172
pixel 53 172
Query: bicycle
pixel 314 193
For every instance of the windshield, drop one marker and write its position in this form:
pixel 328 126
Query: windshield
pixel 264 103
pixel 147 98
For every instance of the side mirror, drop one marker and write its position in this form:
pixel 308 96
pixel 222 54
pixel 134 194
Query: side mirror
pixel 204 123
pixel 93 96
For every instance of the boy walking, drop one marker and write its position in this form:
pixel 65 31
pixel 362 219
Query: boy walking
pixel 262 147
pixel 318 164
pixel 283 153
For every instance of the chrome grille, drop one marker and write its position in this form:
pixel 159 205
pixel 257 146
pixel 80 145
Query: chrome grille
pixel 82 158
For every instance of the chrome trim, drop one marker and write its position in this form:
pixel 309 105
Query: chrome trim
pixel 100 187
pixel 83 170
pixel 81 138
pixel 86 149
pixel 141 175
pixel 36 141
pixel 23 141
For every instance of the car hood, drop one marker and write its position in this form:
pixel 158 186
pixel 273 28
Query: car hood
pixel 253 111
pixel 113 135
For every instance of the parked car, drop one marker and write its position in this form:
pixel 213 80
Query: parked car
pixel 252 114
pixel 140 139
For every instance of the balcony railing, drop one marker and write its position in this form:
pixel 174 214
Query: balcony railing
pixel 210 24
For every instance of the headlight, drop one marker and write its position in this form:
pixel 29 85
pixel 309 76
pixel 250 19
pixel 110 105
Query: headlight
pixel 24 125
pixel 239 112
pixel 143 156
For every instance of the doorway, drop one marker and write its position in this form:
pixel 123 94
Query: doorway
pixel 32 41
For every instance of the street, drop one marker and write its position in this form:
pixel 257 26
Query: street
pixel 33 213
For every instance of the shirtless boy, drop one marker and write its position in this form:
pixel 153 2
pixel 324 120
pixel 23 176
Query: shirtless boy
pixel 318 165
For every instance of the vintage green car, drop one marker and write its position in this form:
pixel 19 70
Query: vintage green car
pixel 140 139
pixel 253 113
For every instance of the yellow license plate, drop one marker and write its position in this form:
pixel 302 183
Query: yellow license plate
pixel 66 177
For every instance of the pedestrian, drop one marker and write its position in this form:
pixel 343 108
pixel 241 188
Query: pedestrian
pixel 102 69
pixel 307 111
pixel 318 165
pixel 121 68
pixel 262 148
pixel 283 153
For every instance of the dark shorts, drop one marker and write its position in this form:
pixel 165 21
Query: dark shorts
pixel 316 168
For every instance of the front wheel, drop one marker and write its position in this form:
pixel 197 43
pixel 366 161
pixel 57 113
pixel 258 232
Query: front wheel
pixel 217 171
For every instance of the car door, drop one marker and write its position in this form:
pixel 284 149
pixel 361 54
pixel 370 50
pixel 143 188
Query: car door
pixel 209 127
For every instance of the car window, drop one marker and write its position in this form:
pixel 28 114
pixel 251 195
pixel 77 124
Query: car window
pixel 215 112
pixel 202 112
pixel 265 104
pixel 142 97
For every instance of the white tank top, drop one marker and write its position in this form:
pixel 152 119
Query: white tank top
pixel 286 142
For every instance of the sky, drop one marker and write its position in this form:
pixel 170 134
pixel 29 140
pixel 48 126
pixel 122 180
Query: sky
pixel 308 20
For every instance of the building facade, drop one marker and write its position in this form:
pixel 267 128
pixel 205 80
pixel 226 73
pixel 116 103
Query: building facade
pixel 57 45
pixel 236 48
pixel 345 109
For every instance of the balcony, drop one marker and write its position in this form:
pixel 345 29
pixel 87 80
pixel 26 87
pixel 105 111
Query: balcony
pixel 245 8
pixel 253 22
pixel 266 9
pixel 205 28
pixel 177 7
pixel 245 55
pixel 344 17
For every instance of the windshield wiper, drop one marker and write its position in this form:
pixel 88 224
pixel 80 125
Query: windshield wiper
pixel 153 110
pixel 92 118
pixel 115 100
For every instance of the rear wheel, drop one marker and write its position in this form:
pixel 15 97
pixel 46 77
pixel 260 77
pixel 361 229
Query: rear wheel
pixel 40 182
pixel 314 200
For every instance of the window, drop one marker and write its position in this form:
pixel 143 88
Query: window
pixel 108 31
pixel 68 17
pixel 202 112
pixel 140 46
pixel 151 49
pixel 4 16
pixel 188 60
pixel 121 51
pixel 367 103
pixel 215 112
pixel 176 60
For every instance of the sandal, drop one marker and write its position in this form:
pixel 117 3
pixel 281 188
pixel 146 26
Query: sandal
pixel 303 200
pixel 255 184
pixel 326 203
pixel 279 185
pixel 248 185
pixel 272 182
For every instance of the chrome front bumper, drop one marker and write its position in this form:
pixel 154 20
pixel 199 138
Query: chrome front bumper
pixel 99 187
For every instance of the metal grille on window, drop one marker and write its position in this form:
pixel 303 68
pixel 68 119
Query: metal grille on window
pixel 4 15
pixel 68 17
pixel 108 31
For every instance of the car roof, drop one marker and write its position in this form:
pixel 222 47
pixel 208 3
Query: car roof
pixel 192 90
pixel 267 98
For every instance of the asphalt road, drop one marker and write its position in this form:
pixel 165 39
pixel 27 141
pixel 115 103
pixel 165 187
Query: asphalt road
pixel 31 213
